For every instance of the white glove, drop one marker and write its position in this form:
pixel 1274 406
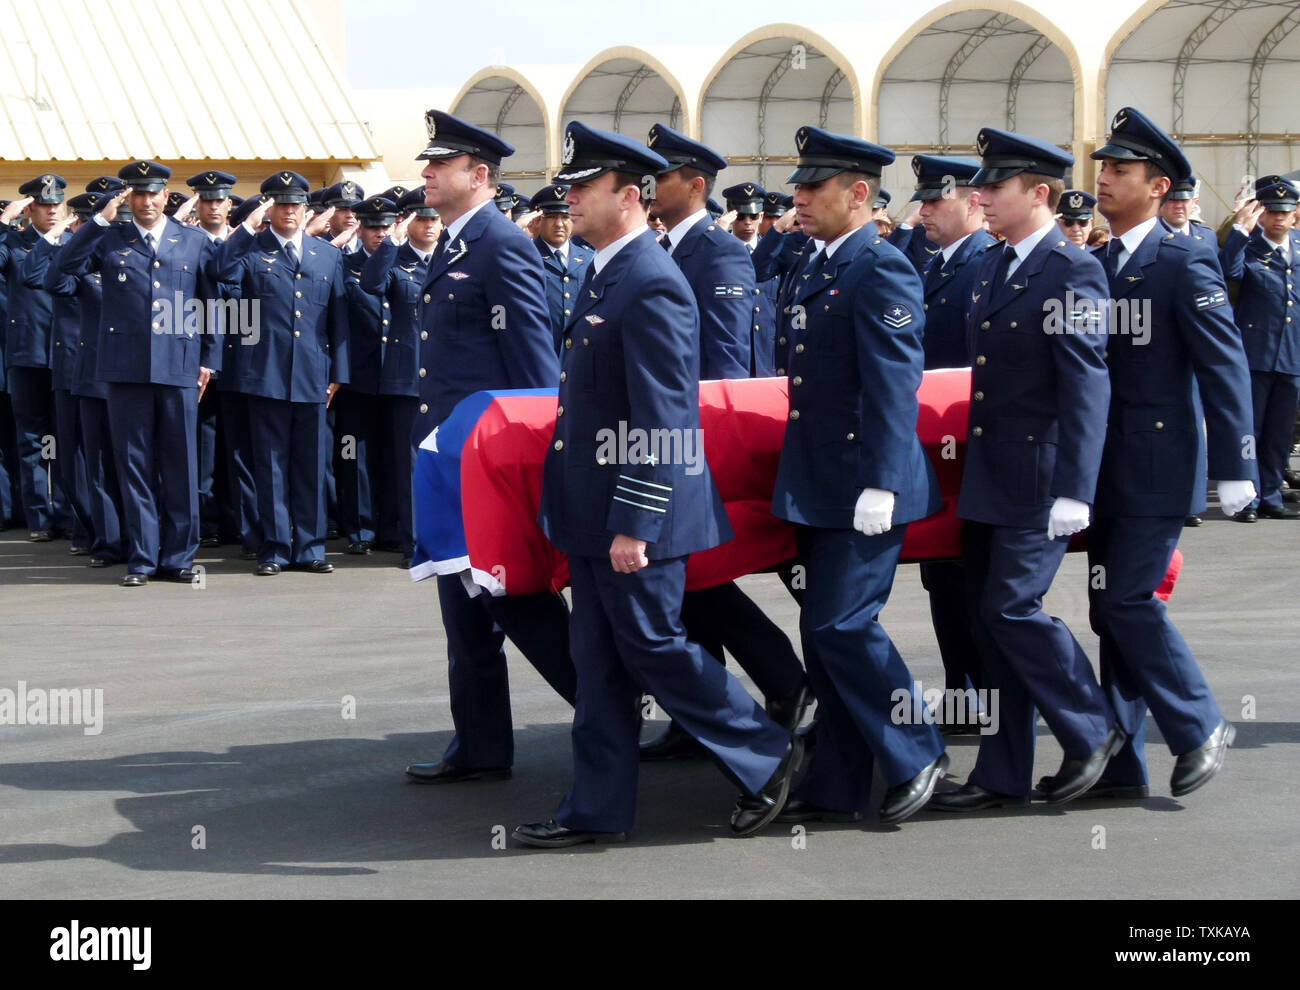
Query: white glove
pixel 1235 496
pixel 874 512
pixel 1068 516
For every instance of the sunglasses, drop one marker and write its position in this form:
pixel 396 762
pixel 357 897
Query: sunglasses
pixel 1075 221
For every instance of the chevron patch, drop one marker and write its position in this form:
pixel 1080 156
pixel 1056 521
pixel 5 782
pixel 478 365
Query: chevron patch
pixel 897 315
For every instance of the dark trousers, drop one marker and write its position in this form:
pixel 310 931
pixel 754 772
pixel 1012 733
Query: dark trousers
pixel 289 457
pixel 1144 660
pixel 945 580
pixel 209 494
pixel 627 640
pixel 725 617
pixel 43 502
pixel 105 495
pixel 11 495
pixel 356 429
pixel 153 429
pixel 242 496
pixel 1274 397
pixel 1030 657
pixel 477 677
pixel 70 466
pixel 396 464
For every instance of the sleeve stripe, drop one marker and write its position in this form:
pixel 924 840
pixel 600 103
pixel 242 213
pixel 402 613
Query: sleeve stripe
pixel 648 508
pixel 657 498
pixel 647 484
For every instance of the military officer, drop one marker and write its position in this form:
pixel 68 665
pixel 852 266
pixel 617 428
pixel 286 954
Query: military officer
pixel 565 262
pixel 300 360
pixel 951 217
pixel 341 198
pixel 483 325
pixel 27 349
pixel 505 198
pixel 628 527
pixel 773 207
pixel 746 201
pixel 156 362
pixel 1181 207
pixel 1260 252
pixel 1039 394
pixel 1075 217
pixel 397 275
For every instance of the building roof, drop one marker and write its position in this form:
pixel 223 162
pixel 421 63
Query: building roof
pixel 138 81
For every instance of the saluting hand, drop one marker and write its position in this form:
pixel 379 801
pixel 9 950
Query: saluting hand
pixel 15 208
pixel 109 210
pixel 185 209
pixel 345 238
pixel 627 555
pixel 258 215
pixel 398 233
pixel 524 221
pixel 1248 214
pixel 726 220
pixel 787 220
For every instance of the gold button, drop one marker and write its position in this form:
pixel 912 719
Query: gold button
pixel 794 413
pixel 977 432
pixel 297 333
pixel 426 297
pixel 299 275
pixel 981 360
pixel 385 305
pixel 451 296
pixel 157 264
pixel 297 314
pixel 602 461
pixel 423 409
pixel 424 334
pixel 1159 425
pixel 798 348
pixel 984 325
pixel 979 396
pixel 586 342
pixel 559 412
pixel 1030 438
pixel 423 372
pixel 383 340
pixel 157 285
pixel 297 295
pixel 849 437
pixel 568 342
pixel 782 340
pixel 559 444
pixel 1013 324
pixel 564 376
pixel 797 380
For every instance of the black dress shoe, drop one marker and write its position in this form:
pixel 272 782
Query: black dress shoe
pixel 798 810
pixel 269 569
pixel 1103 789
pixel 359 548
pixel 1245 515
pixel 960 729
pixel 247 554
pixel 1278 512
pixel 314 567
pixel 675 744
pixel 40 536
pixel 1193 521
pixel 78 551
pixel 552 835
pixel 445 773
pixel 909 797
pixel 1193 769
pixel 388 546
pixel 789 711
pixel 135 580
pixel 1077 775
pixel 404 563
pixel 209 541
pixel 972 797
pixel 753 811
pixel 180 575
pixel 1290 495
pixel 103 562
pixel 332 533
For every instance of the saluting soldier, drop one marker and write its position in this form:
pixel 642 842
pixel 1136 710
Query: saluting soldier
pixel 629 527
pixel 298 363
pixel 564 261
pixel 156 362
pixel 1259 255
pixel 341 198
pixel 483 325
pixel 746 201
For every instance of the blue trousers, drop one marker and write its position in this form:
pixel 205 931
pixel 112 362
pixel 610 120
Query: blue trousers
pixel 627 640
pixel 209 494
pixel 70 466
pixel 945 580
pixel 1274 397
pixel 11 495
pixel 1144 660
pixel 855 670
pixel 289 456
pixel 725 617
pixel 356 430
pixel 43 502
pixel 239 467
pixel 477 676
pixel 153 430
pixel 1030 658
pixel 105 495
pixel 395 468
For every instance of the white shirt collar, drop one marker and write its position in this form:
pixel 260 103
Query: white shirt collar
pixel 951 249
pixel 157 231
pixel 606 254
pixel 1136 236
pixel 1026 246
pixel 1284 247
pixel 683 228
pixel 562 250
pixel 834 245
pixel 457 225
pixel 295 240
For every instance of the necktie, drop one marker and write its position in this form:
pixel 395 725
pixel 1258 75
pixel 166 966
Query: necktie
pixel 1113 247
pixel 443 240
pixel 666 244
pixel 291 253
pixel 588 278
pixel 1004 265
pixel 934 274
pixel 153 245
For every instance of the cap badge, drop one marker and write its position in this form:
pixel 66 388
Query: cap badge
pixel 349 190
pixel 749 190
pixel 48 191
pixel 569 150
pixel 212 178
pixel 982 144
pixel 654 136
pixel 286 178
pixel 1076 201
pixel 431 125
pixel 801 139
pixel 1121 118
pixel 143 168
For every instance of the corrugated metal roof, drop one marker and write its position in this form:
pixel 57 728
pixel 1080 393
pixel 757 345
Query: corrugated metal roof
pixel 132 79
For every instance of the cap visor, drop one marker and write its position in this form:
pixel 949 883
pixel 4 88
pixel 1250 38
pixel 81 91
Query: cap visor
pixel 1283 207
pixel 288 197
pixel 156 186
pixel 1117 151
pixel 988 176
pixel 805 174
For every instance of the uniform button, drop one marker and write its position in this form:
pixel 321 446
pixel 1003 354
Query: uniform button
pixel 602 461
pixel 157 264
pixel 794 413
pixel 424 334
pixel 977 432
pixel 383 340
pixel 451 296
pixel 826 309
pixel 755 326
pixel 298 275
pixel 423 372
pixel 984 325
pixel 787 309
pixel 1105 355
pixel 426 297
pixel 385 323
pixel 157 285
pixel 981 360
pixel 942 301
pixel 564 376
pixel 566 279
pixel 82 343
pixel 297 333
pixel 979 396
pixel 559 444
pixel 798 348
pixel 782 340
pixel 297 314
pixel 586 342
pixel 423 409
pixel 925 307
pixel 1159 425
pixel 1030 438
pixel 849 437
pixel 568 343
pixel 797 380
pixel 111 330
pixel 385 305
pixel 57 344
pixel 566 295
pixel 157 305
pixel 780 371
pixel 567 312
pixel 1013 324
pixel 297 295
pixel 559 412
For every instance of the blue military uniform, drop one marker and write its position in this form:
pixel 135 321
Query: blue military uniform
pixel 151 352
pixel 565 265
pixel 1268 315
pixel 301 350
pixel 855 324
pixel 483 325
pixel 631 357
pixel 1037 424
pixel 27 351
pixel 915 246
pixel 747 199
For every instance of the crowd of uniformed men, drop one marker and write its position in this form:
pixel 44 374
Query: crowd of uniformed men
pixel 333 331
